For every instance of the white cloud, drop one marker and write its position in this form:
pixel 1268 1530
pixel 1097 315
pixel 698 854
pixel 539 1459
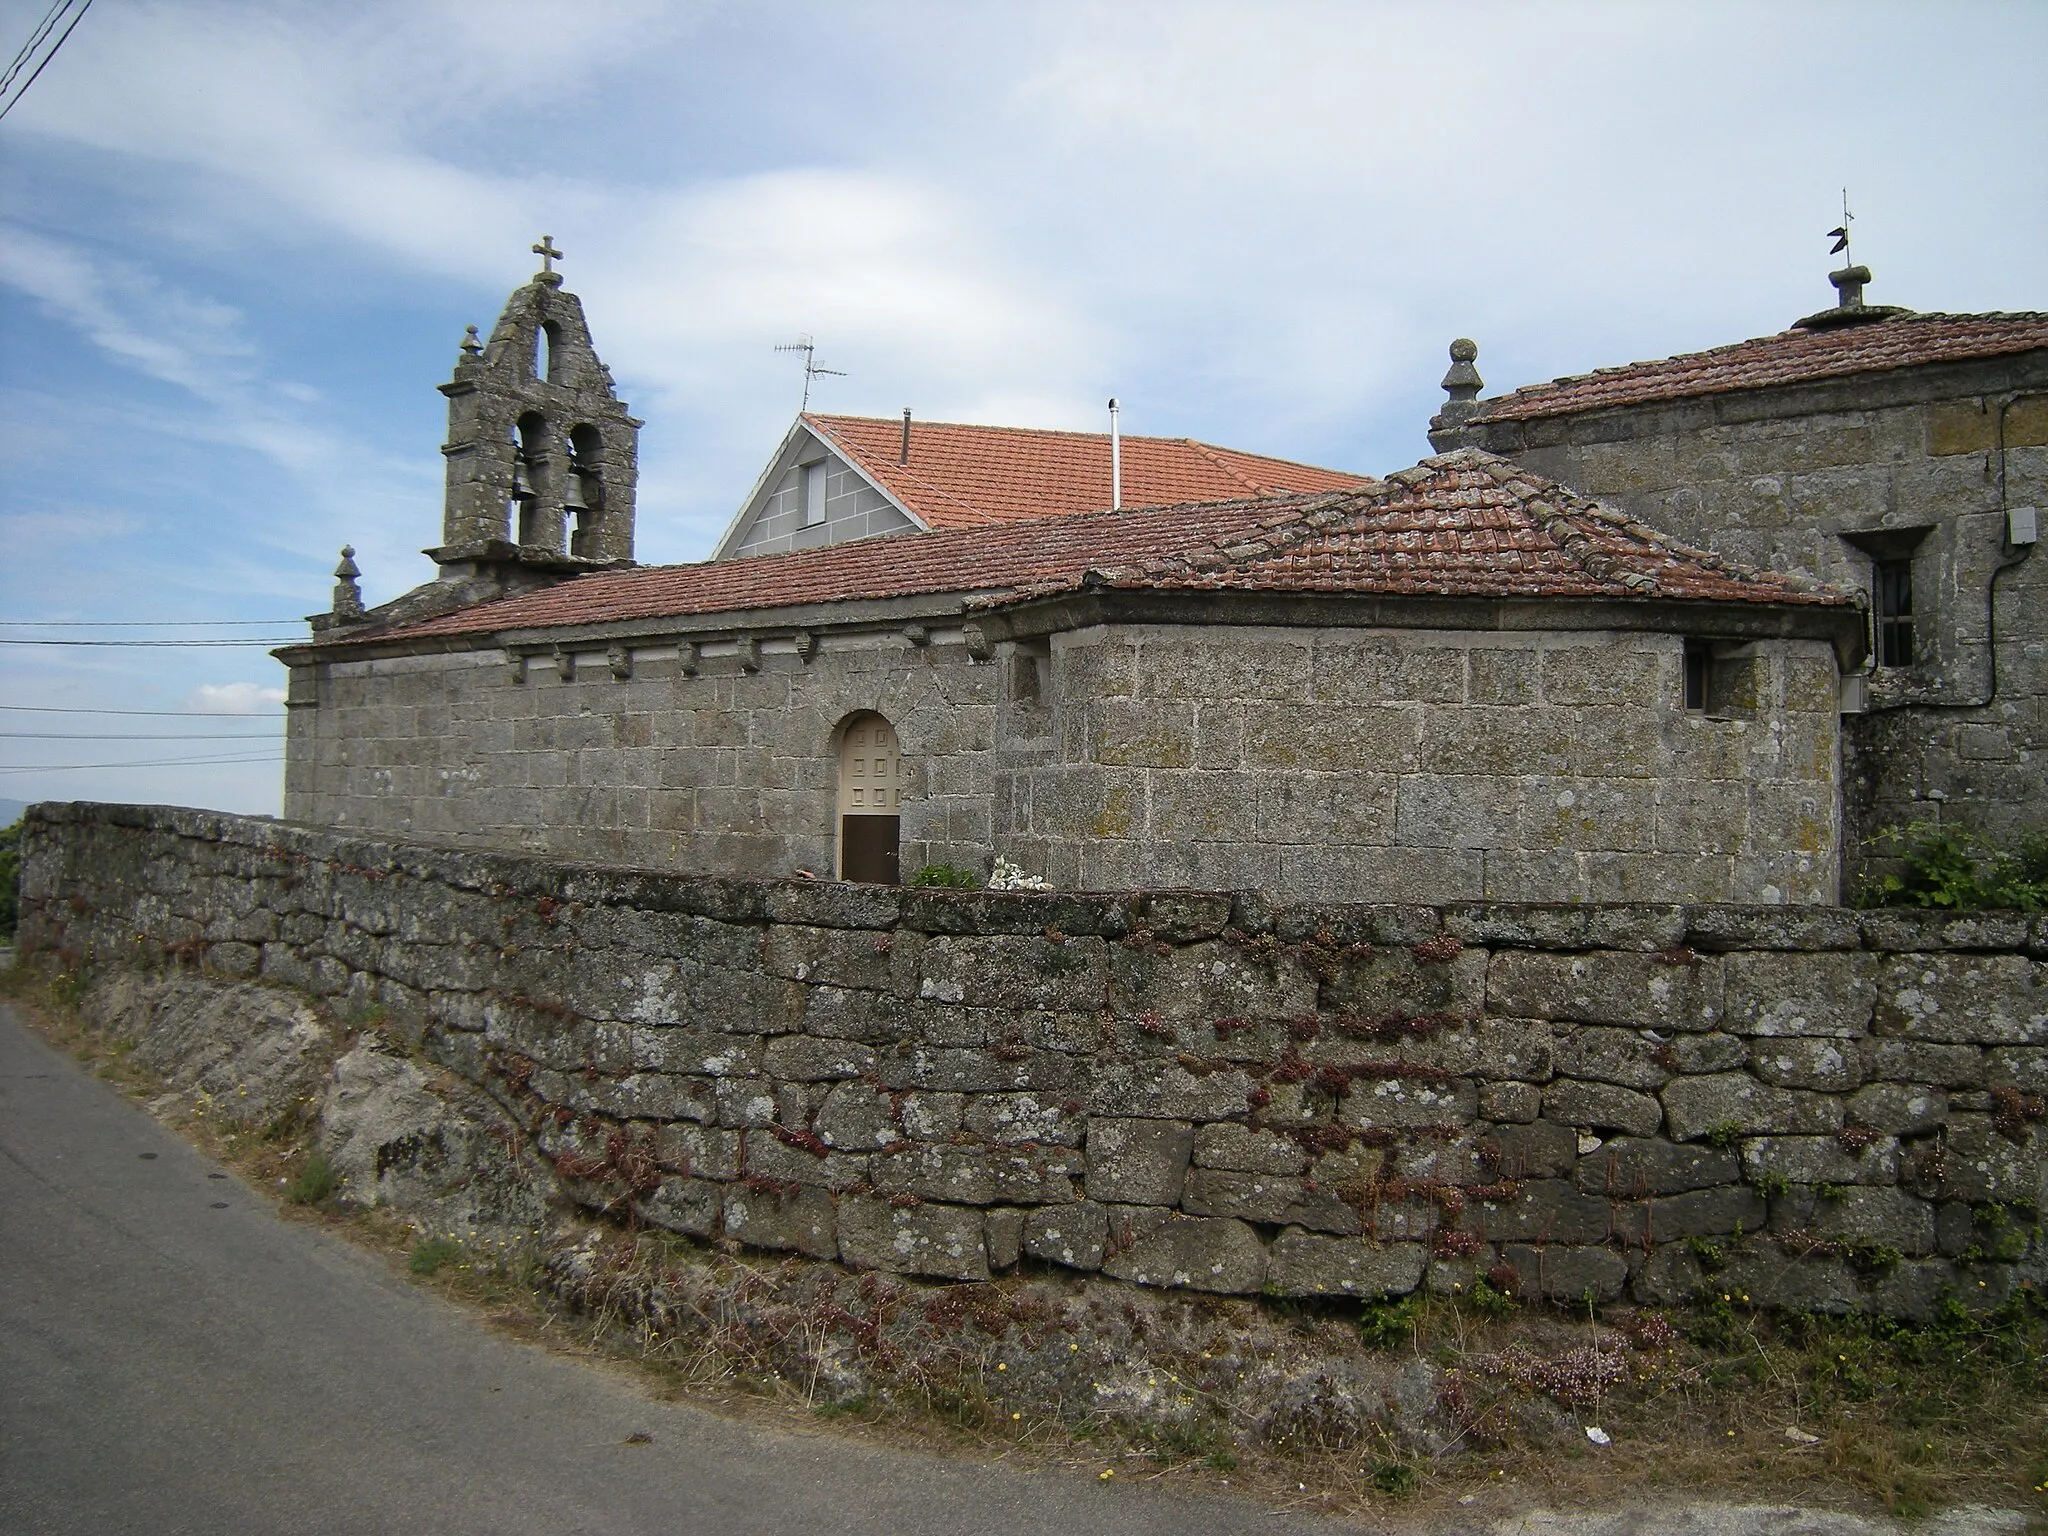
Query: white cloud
pixel 234 698
pixel 25 535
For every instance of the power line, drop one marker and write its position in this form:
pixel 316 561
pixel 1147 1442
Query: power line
pixel 162 714
pixel 145 644
pixel 43 29
pixel 156 762
pixel 137 736
pixel 8 106
pixel 143 623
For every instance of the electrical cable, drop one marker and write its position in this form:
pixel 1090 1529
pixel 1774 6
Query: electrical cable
pixel 136 736
pixel 164 714
pixel 143 623
pixel 156 762
pixel 43 30
pixel 8 106
pixel 146 644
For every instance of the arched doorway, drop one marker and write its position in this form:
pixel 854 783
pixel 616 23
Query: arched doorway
pixel 870 801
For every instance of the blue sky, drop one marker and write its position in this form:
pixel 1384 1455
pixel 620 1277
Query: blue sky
pixel 239 243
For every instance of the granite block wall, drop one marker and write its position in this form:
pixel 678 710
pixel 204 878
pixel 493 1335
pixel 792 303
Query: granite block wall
pixel 1364 764
pixel 1208 1091
pixel 717 756
pixel 1431 765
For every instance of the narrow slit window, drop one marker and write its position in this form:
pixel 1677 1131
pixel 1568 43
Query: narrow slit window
pixel 1699 670
pixel 1892 611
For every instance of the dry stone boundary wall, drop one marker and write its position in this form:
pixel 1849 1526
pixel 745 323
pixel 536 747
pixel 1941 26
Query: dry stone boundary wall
pixel 1821 1107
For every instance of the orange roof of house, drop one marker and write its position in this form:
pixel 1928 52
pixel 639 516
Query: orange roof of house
pixel 963 476
pixel 1797 356
pixel 1462 524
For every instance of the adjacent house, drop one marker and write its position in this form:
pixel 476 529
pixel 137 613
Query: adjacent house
pixel 836 478
pixel 1899 455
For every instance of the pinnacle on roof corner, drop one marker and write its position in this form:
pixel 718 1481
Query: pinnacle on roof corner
pixel 1462 383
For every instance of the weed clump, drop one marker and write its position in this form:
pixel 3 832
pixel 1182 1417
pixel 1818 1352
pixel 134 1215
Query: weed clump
pixel 315 1180
pixel 430 1255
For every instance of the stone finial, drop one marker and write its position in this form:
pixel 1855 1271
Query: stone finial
pixel 1849 286
pixel 348 597
pixel 1462 383
pixel 471 346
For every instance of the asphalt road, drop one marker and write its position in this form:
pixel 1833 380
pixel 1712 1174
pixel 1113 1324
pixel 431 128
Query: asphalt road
pixel 175 1358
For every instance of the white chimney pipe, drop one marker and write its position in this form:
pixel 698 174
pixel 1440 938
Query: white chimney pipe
pixel 1116 461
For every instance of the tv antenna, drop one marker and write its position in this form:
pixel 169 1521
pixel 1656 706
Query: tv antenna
pixel 1840 233
pixel 809 348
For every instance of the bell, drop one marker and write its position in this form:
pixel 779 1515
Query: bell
pixel 572 493
pixel 522 480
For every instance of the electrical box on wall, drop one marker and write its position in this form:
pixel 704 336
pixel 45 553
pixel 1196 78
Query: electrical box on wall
pixel 2022 526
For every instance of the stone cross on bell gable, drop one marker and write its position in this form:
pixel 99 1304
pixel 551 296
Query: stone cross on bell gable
pixel 547 253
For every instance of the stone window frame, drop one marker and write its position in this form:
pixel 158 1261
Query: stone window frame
pixel 1891 613
pixel 1897 624
pixel 1718 679
pixel 1030 672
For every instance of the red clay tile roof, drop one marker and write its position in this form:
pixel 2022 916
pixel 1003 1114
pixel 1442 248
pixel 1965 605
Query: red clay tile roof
pixel 1790 357
pixel 1465 523
pixel 973 477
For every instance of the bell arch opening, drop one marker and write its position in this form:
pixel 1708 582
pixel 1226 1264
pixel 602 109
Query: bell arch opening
pixel 870 800
pixel 529 470
pixel 546 364
pixel 583 493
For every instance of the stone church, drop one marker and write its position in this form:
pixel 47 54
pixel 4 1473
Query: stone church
pixel 927 643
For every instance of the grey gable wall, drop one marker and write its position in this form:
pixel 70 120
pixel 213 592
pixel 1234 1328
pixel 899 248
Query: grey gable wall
pixel 854 509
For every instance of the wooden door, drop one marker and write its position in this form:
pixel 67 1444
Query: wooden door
pixel 870 802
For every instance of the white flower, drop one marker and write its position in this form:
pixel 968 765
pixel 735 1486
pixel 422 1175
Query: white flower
pixel 1011 877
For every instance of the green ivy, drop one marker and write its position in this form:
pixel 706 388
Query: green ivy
pixel 1954 869
pixel 951 876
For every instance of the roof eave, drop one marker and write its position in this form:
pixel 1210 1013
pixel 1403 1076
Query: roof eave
pixel 1484 417
pixel 844 613
pixel 1842 625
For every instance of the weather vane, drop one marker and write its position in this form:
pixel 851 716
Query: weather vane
pixel 809 348
pixel 1841 233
